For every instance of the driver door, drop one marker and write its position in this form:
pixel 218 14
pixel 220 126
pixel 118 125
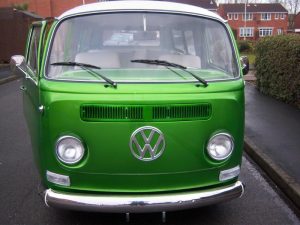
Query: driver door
pixel 30 86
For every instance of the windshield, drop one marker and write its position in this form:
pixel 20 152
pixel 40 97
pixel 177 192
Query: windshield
pixel 112 41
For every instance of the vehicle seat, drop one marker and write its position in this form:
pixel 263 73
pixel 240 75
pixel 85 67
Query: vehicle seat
pixel 139 54
pixel 184 60
pixel 103 59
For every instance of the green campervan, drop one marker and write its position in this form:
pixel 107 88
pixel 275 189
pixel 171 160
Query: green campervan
pixel 134 107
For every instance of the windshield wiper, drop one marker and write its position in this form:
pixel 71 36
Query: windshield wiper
pixel 87 67
pixel 170 64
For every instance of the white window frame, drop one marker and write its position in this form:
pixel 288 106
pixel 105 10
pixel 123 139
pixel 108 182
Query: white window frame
pixel 249 31
pixel 265 31
pixel 268 16
pixel 249 16
pixel 229 16
pixel 282 16
pixel 236 16
pixel 279 31
pixel 277 15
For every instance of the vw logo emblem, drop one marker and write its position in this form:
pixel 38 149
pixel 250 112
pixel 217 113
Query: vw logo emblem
pixel 147 143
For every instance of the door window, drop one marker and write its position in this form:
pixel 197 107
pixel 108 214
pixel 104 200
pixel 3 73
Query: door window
pixel 219 54
pixel 32 58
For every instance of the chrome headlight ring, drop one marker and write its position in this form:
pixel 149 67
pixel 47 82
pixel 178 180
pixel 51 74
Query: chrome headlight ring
pixel 69 149
pixel 220 146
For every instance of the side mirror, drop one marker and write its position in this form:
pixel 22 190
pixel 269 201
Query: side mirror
pixel 245 64
pixel 18 61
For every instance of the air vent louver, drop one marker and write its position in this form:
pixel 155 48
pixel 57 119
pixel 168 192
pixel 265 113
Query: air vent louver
pixel 102 113
pixel 202 111
pixel 95 112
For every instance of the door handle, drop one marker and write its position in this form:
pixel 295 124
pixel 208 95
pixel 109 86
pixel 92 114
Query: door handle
pixel 23 88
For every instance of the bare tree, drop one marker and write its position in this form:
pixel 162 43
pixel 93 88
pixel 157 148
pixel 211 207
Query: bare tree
pixel 293 6
pixel 244 1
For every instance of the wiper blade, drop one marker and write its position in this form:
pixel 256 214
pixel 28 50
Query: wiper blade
pixel 170 64
pixel 158 62
pixel 75 64
pixel 87 67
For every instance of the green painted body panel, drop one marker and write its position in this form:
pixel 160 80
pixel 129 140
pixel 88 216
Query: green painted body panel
pixel 109 165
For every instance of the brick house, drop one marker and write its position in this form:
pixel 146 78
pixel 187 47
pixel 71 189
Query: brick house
pixel 206 4
pixel 47 8
pixel 297 23
pixel 52 8
pixel 260 20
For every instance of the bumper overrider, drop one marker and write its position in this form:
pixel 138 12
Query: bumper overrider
pixel 139 203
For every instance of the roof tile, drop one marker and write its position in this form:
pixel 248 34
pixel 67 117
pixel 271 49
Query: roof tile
pixel 236 8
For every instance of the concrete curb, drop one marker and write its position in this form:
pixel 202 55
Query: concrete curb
pixel 284 181
pixel 8 79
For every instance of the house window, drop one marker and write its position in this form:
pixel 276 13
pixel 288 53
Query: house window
pixel 249 16
pixel 279 31
pixel 229 15
pixel 265 32
pixel 246 31
pixel 266 16
pixel 282 16
pixel 236 16
pixel 277 16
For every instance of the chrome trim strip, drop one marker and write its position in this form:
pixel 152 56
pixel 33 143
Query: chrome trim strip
pixel 29 77
pixel 139 203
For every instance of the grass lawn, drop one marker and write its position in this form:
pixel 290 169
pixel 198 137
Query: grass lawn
pixel 250 56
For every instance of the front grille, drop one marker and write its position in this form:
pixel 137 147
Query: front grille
pixel 97 112
pixel 100 112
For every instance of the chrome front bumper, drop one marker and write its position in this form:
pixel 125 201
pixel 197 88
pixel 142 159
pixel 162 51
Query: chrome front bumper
pixel 138 203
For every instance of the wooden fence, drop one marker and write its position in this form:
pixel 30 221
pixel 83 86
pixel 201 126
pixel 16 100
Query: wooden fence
pixel 14 26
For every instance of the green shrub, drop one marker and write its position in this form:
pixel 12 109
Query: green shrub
pixel 20 6
pixel 246 45
pixel 278 67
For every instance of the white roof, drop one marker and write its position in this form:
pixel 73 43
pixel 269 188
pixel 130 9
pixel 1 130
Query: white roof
pixel 139 6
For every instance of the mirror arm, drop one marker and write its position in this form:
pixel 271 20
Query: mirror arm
pixel 18 61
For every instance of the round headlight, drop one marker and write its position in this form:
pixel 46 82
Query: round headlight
pixel 69 149
pixel 220 146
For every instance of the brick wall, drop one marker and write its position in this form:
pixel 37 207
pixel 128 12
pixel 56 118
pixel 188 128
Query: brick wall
pixel 60 6
pixel 297 22
pixel 47 8
pixel 13 22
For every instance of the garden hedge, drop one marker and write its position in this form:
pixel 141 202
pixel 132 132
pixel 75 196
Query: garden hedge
pixel 278 67
pixel 245 46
